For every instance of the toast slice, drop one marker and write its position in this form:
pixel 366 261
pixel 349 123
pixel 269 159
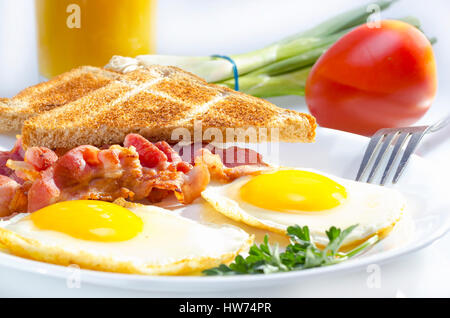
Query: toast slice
pixel 46 96
pixel 164 103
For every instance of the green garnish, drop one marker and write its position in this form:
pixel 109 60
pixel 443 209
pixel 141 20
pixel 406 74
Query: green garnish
pixel 302 253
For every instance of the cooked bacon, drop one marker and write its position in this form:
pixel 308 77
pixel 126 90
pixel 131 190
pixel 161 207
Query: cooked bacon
pixel 76 166
pixel 149 155
pixel 157 195
pixel 40 157
pixel 230 157
pixel 236 156
pixel 184 166
pixel 43 191
pixel 23 170
pixel 110 159
pixel 36 159
pixel 8 197
pixel 87 172
pixel 174 157
pixel 194 183
pixel 133 175
pixel 139 170
pixel 17 153
pixel 220 172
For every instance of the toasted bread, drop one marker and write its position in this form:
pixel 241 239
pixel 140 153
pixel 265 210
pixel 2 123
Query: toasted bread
pixel 154 102
pixel 46 96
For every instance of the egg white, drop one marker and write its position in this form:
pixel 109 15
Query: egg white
pixel 168 245
pixel 374 208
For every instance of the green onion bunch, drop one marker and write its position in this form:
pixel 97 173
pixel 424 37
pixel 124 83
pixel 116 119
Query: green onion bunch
pixel 278 69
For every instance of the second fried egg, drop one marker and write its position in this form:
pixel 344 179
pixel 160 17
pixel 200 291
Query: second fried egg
pixel 277 199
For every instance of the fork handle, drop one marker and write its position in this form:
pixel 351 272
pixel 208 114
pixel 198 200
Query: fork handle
pixel 440 124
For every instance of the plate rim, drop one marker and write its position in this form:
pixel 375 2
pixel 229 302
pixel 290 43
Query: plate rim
pixel 356 263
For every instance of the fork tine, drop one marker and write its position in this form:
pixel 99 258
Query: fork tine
pixel 370 151
pixel 412 145
pixel 384 147
pixel 398 145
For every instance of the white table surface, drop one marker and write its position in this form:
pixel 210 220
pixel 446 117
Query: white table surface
pixel 204 27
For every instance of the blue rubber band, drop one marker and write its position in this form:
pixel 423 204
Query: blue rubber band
pixel 235 69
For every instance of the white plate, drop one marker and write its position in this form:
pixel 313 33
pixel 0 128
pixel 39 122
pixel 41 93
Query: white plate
pixel 334 152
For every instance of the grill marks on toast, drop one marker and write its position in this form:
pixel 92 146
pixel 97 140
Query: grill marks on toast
pixel 63 89
pixel 185 90
pixel 62 93
pixel 142 109
pixel 153 102
pixel 230 111
pixel 134 103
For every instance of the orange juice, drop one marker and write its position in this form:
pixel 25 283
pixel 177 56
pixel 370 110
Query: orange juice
pixel 89 32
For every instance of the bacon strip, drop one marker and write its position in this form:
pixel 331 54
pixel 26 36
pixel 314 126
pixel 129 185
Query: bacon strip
pixel 139 170
pixel 230 157
pixel 43 191
pixel 40 157
pixel 87 172
pixel 194 183
pixel 17 153
pixel 10 196
pixel 149 155
pixel 173 157
pixel 220 172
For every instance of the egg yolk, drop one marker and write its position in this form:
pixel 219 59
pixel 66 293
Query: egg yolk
pixel 293 190
pixel 89 220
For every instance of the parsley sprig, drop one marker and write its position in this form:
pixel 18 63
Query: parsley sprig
pixel 302 253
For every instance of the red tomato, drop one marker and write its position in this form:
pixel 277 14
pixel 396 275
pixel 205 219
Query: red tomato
pixel 373 78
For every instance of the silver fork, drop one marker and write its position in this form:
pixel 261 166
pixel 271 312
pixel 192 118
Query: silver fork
pixel 397 137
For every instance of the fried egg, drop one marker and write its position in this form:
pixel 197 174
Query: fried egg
pixel 283 197
pixel 127 238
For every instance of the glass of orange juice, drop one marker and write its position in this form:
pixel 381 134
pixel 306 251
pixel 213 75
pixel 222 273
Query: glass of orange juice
pixel 72 33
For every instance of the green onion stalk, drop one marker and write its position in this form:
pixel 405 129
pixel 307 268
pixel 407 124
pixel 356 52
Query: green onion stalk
pixel 275 70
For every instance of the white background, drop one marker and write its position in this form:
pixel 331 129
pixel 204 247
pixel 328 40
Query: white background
pixel 205 27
